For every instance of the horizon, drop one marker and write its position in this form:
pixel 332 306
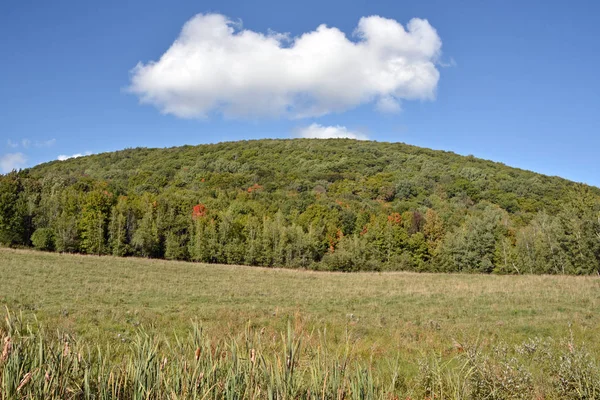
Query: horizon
pixel 506 85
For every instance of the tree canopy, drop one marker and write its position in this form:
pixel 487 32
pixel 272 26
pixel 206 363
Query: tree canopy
pixel 335 204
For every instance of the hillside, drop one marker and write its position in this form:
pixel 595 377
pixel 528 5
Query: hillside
pixel 325 204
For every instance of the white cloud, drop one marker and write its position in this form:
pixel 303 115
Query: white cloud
pixel 388 104
pixel 449 64
pixel 213 66
pixel 26 143
pixel 64 157
pixel 45 143
pixel 316 131
pixel 11 161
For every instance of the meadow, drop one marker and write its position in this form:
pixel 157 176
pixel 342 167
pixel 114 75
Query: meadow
pixel 415 335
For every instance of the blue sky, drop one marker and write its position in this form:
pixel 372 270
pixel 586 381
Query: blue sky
pixel 516 81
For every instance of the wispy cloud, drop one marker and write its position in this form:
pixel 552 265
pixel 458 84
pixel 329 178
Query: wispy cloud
pixel 451 63
pixel 316 131
pixel 27 143
pixel 64 157
pixel 45 143
pixel 216 67
pixel 11 161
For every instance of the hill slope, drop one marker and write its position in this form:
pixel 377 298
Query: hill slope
pixel 334 204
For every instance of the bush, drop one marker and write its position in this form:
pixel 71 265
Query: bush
pixel 43 239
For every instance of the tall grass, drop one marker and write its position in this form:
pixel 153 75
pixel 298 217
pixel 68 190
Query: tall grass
pixel 36 364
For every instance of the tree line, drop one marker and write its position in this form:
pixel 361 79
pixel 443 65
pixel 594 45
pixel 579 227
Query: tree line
pixel 336 205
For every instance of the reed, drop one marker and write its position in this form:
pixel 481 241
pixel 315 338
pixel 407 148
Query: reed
pixel 49 365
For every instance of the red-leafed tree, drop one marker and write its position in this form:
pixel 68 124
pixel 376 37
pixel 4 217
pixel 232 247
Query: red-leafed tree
pixel 199 211
pixel 255 188
pixel 395 218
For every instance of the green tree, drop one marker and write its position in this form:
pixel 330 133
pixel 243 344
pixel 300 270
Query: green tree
pixel 538 246
pixel 472 247
pixel 93 221
pixel 352 254
pixel 66 227
pixel 13 211
pixel 433 229
pixel 121 227
pixel 146 239
pixel 176 246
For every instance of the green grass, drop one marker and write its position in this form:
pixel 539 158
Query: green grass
pixel 102 297
pixel 414 323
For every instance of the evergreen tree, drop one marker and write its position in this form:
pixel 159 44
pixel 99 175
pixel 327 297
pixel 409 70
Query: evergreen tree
pixel 13 211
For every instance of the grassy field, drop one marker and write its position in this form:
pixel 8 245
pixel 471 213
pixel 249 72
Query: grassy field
pixel 106 300
pixel 106 297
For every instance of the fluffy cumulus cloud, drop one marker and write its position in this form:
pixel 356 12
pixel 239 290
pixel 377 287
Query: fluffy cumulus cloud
pixel 316 131
pixel 64 157
pixel 214 66
pixel 11 161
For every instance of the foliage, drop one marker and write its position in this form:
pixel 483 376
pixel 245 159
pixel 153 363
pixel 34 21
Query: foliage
pixel 43 239
pixel 13 211
pixel 338 204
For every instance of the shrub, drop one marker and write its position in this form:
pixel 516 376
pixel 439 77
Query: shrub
pixel 577 373
pixel 43 239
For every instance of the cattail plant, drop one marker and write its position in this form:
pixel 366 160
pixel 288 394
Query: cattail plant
pixel 36 364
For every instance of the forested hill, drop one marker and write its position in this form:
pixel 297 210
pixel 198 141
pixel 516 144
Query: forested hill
pixel 329 204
